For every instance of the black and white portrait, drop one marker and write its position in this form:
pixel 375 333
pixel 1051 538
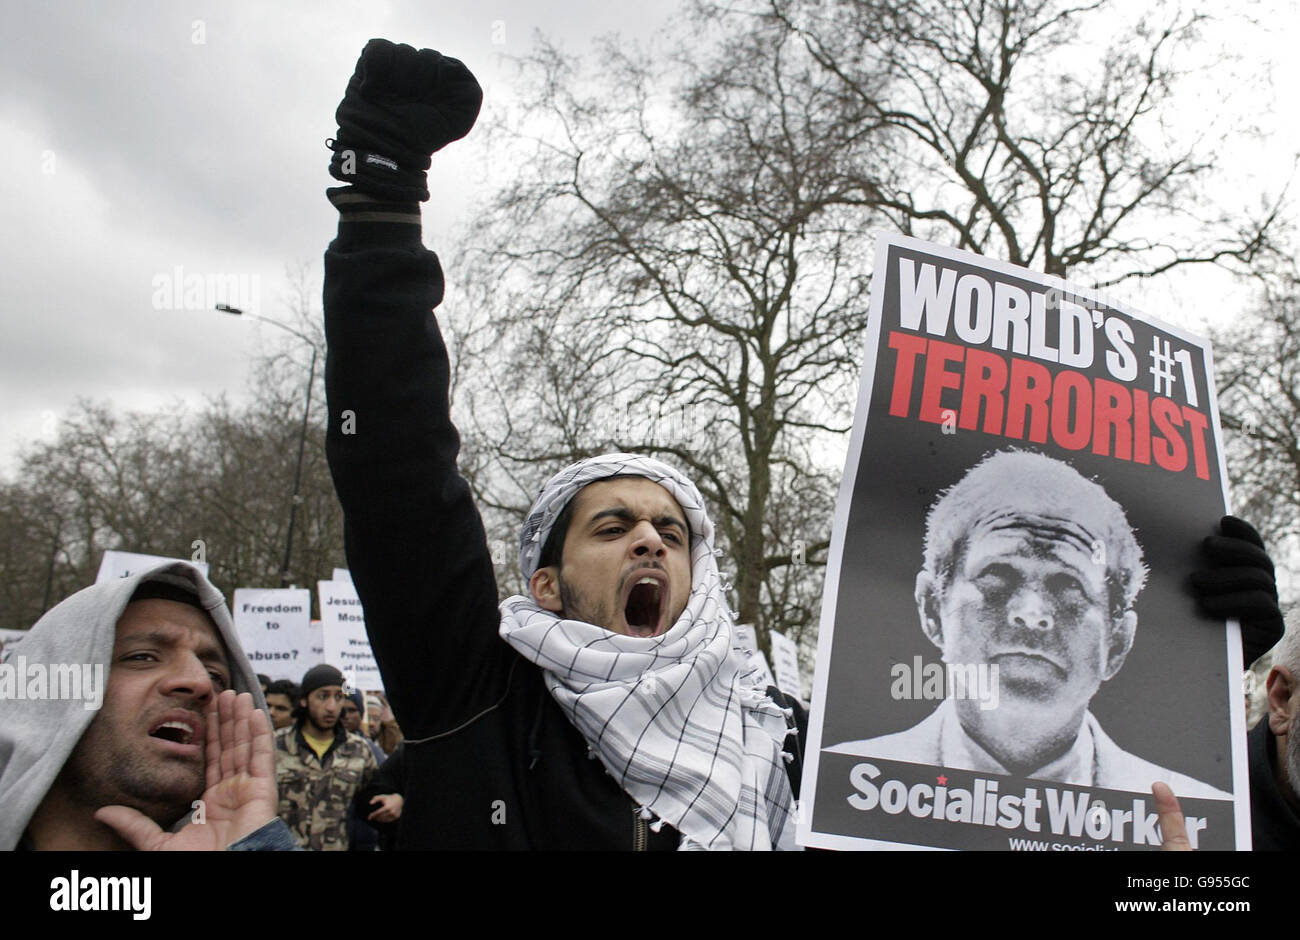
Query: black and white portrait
pixel 1028 589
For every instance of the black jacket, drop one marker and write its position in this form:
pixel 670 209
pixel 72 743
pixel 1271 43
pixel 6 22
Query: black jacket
pixel 491 760
pixel 1274 825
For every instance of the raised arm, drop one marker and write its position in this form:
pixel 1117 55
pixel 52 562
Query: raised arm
pixel 415 543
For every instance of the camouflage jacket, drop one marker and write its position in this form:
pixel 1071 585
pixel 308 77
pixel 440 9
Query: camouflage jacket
pixel 316 792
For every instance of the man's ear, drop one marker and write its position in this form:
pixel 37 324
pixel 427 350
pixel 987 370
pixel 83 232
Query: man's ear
pixel 1122 632
pixel 1281 685
pixel 927 607
pixel 544 585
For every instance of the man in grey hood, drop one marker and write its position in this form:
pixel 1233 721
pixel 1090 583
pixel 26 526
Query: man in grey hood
pixel 132 719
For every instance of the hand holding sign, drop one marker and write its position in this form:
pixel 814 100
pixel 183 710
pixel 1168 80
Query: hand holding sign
pixel 1173 827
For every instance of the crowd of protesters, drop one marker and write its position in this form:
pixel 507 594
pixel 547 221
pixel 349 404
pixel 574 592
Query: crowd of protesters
pixel 603 710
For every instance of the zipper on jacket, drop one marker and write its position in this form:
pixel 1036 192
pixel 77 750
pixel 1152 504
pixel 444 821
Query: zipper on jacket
pixel 640 831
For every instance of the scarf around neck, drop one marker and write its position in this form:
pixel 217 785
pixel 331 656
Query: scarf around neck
pixel 678 720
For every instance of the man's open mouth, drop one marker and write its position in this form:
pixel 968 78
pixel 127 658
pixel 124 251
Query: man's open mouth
pixel 644 609
pixel 177 731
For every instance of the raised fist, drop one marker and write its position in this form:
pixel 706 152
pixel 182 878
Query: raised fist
pixel 401 106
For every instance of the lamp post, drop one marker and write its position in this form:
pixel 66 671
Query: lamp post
pixel 302 434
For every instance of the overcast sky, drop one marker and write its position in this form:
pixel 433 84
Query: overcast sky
pixel 128 147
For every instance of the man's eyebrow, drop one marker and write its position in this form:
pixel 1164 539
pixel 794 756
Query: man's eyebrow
pixel 623 514
pixel 667 520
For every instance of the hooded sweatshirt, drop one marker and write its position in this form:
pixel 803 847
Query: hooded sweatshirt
pixel 38 735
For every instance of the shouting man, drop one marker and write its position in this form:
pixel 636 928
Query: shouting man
pixel 161 744
pixel 606 709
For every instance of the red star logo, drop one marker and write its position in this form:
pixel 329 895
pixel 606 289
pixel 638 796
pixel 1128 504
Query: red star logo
pixel 943 781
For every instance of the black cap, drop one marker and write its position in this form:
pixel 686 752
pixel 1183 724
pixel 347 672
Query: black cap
pixel 318 677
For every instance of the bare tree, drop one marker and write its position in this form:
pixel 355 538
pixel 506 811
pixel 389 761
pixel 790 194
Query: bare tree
pixel 1042 132
pixel 212 483
pixel 679 268
pixel 1257 367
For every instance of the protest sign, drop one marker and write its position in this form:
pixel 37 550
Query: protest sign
pixel 1009 655
pixel 343 626
pixel 273 627
pixel 785 664
pixel 315 645
pixel 343 574
pixel 116 565
pixel 746 642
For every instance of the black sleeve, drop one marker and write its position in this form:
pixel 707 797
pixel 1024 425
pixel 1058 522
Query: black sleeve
pixel 415 543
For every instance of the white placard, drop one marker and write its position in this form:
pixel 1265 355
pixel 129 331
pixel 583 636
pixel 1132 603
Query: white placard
pixel 274 628
pixel 315 645
pixel 785 664
pixel 116 565
pixel 347 647
pixel 343 574
pixel 746 641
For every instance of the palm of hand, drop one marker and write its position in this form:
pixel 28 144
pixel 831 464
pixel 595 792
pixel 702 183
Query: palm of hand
pixel 241 794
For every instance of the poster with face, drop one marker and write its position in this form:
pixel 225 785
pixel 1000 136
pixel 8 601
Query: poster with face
pixel 1009 653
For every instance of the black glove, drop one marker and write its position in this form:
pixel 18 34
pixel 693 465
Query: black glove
pixel 1240 583
pixel 400 107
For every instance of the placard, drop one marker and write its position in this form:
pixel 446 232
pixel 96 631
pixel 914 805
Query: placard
pixel 1009 655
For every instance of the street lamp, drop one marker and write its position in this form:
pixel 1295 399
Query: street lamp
pixel 302 435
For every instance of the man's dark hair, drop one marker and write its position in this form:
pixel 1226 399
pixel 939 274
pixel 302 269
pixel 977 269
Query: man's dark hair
pixel 554 547
pixel 283 687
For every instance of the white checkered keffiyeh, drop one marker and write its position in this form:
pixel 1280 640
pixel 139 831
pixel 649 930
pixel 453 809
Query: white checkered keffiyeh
pixel 675 718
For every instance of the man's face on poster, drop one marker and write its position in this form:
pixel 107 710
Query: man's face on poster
pixel 1030 596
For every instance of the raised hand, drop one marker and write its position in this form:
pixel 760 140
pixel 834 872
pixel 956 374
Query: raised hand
pixel 401 106
pixel 241 796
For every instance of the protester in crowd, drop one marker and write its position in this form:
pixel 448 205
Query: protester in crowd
pixel 263 681
pixel 362 836
pixel 353 722
pixel 350 715
pixel 318 765
pixel 1274 751
pixel 155 737
pixel 623 651
pixel 381 726
pixel 280 697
